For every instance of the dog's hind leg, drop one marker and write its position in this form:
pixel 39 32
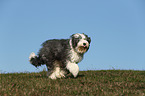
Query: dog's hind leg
pixel 54 71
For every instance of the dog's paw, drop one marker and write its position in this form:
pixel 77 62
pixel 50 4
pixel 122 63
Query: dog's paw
pixel 52 76
pixel 32 55
pixel 62 73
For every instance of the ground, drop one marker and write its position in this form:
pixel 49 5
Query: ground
pixel 88 83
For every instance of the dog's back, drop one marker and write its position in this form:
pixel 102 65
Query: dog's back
pixel 55 49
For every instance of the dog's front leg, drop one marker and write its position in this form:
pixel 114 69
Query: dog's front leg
pixel 73 68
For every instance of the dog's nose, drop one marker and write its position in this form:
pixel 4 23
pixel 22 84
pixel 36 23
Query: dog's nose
pixel 84 44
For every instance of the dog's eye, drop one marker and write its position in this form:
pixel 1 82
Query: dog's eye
pixel 76 40
pixel 79 37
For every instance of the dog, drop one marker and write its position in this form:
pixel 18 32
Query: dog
pixel 62 56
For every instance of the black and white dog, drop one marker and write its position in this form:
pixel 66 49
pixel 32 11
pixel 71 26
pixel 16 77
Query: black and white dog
pixel 61 56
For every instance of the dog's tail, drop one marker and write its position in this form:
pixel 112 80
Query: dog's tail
pixel 34 60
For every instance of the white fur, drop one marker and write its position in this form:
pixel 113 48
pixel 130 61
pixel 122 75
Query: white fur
pixel 52 76
pixel 62 73
pixel 32 55
pixel 82 35
pixel 75 57
pixel 55 74
pixel 78 34
pixel 80 43
pixel 70 44
pixel 73 68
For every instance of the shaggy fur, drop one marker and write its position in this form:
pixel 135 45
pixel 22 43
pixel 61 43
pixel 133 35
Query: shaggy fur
pixel 61 56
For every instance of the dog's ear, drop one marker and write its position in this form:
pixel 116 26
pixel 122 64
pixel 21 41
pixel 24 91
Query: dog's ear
pixel 72 36
pixel 89 39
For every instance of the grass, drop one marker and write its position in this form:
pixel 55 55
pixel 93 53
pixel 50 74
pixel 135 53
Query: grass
pixel 88 83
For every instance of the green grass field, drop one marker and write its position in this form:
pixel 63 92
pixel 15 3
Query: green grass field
pixel 88 83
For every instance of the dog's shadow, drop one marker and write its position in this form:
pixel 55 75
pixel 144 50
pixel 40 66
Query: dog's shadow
pixel 70 76
pixel 44 75
pixel 39 76
pixel 67 77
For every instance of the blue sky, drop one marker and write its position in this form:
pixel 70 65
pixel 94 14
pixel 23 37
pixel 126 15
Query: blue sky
pixel 117 29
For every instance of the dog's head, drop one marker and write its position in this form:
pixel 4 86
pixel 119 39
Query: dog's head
pixel 80 42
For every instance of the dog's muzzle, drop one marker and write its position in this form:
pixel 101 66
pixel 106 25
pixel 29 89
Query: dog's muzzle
pixel 83 46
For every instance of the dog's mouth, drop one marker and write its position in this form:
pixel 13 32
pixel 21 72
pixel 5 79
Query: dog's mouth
pixel 82 49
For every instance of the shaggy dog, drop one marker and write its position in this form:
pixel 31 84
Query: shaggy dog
pixel 62 55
